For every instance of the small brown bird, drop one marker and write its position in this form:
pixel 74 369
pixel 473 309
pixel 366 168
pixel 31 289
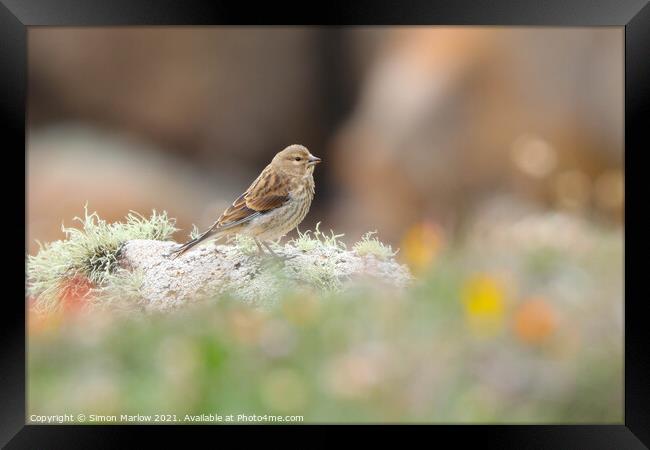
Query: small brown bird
pixel 274 204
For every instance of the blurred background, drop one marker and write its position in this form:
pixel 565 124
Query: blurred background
pixel 413 123
pixel 491 157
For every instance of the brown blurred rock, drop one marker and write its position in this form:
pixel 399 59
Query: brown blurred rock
pixel 217 93
pixel 448 116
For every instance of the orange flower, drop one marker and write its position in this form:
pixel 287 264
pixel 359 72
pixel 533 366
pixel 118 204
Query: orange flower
pixel 75 292
pixel 535 321
pixel 421 245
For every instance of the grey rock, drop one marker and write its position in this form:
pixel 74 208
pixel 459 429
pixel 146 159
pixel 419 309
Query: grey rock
pixel 212 270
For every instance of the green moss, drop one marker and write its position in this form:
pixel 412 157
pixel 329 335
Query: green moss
pixel 90 252
pixel 369 245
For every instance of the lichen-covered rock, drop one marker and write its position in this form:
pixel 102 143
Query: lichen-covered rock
pixel 238 270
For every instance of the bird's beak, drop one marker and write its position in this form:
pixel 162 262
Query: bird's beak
pixel 313 160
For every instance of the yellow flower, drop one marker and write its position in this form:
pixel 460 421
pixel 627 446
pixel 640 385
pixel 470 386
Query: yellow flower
pixel 484 300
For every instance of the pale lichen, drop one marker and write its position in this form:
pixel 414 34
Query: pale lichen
pixel 195 233
pixel 90 252
pixel 370 245
pixel 245 244
pixel 311 240
pixel 122 291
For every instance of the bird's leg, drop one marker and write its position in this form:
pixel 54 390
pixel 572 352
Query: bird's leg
pixel 266 244
pixel 259 247
pixel 271 258
pixel 283 257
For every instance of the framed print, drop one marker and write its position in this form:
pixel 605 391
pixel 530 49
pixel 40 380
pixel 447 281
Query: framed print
pixel 364 214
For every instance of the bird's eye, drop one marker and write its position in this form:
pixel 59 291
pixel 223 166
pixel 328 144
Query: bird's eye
pixel 297 158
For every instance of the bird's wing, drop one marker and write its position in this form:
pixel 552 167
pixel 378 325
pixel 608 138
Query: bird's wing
pixel 269 191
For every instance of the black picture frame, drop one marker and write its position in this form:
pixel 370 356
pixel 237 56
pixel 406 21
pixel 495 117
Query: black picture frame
pixel 634 15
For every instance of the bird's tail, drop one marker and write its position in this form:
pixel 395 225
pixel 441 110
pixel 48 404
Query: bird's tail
pixel 191 243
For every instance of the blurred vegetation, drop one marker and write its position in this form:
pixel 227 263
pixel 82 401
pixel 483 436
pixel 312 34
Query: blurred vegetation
pixel 518 333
